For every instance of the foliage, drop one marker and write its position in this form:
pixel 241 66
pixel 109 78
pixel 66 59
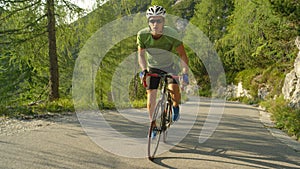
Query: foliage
pixel 33 109
pixel 273 77
pixel 167 4
pixel 252 52
pixel 251 41
pixel 211 18
pixel 184 9
pixel 288 9
pixel 286 118
pixel 24 50
pixel 247 77
pixel 61 105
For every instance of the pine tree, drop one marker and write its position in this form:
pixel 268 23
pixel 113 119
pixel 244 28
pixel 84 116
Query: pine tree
pixel 24 30
pixel 211 17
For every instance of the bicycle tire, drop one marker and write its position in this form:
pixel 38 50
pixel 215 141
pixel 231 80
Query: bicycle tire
pixel 153 143
pixel 168 115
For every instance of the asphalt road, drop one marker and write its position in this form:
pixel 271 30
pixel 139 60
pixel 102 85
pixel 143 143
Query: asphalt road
pixel 240 140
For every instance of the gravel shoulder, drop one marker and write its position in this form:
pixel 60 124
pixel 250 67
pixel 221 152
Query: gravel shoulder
pixel 12 126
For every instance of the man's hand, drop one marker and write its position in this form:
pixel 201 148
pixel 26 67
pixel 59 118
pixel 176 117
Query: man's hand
pixel 143 76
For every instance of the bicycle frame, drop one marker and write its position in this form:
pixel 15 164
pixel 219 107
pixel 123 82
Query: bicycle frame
pixel 164 108
pixel 165 96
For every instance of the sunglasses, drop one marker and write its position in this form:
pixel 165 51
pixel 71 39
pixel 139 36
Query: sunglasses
pixel 157 21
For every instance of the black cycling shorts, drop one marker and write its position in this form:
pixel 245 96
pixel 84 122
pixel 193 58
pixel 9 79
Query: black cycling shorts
pixel 153 82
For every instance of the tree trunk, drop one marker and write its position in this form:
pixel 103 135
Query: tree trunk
pixel 54 77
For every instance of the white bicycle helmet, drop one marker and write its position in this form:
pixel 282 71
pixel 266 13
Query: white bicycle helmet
pixel 156 11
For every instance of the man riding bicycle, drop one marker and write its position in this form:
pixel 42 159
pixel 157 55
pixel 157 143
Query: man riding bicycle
pixel 155 44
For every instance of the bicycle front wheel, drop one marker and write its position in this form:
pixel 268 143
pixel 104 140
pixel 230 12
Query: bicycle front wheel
pixel 168 116
pixel 155 130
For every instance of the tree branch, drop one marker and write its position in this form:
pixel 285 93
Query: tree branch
pixel 22 30
pixel 72 7
pixel 19 9
pixel 14 1
pixel 16 41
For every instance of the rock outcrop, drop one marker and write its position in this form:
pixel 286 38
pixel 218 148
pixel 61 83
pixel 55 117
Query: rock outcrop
pixel 233 91
pixel 291 87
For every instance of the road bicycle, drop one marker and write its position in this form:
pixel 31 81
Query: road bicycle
pixel 162 115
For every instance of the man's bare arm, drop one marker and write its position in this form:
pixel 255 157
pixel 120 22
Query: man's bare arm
pixel 142 58
pixel 184 59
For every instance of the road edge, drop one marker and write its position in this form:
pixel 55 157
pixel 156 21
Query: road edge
pixel 265 118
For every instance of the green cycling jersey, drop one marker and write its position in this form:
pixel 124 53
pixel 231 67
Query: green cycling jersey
pixel 158 51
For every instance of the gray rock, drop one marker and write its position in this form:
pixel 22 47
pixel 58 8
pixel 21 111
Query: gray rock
pixel 233 91
pixel 291 87
pixel 263 92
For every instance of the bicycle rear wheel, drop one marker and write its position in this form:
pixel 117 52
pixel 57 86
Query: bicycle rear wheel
pixel 156 123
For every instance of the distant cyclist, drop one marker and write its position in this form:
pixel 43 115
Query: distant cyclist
pixel 155 44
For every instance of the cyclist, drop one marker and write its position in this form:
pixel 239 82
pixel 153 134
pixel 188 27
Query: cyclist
pixel 155 44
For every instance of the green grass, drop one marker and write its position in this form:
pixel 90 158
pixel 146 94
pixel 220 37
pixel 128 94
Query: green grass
pixel 139 103
pixel 58 106
pixel 245 100
pixel 285 117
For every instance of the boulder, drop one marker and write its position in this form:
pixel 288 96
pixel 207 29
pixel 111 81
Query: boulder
pixel 263 92
pixel 291 87
pixel 233 91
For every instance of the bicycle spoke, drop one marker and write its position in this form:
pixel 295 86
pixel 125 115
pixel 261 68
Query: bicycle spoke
pixel 155 126
pixel 168 119
pixel 162 119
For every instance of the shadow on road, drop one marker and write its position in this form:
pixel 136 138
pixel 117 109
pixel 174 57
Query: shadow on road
pixel 240 141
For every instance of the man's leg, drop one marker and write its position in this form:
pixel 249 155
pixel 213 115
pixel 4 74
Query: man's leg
pixel 151 102
pixel 176 96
